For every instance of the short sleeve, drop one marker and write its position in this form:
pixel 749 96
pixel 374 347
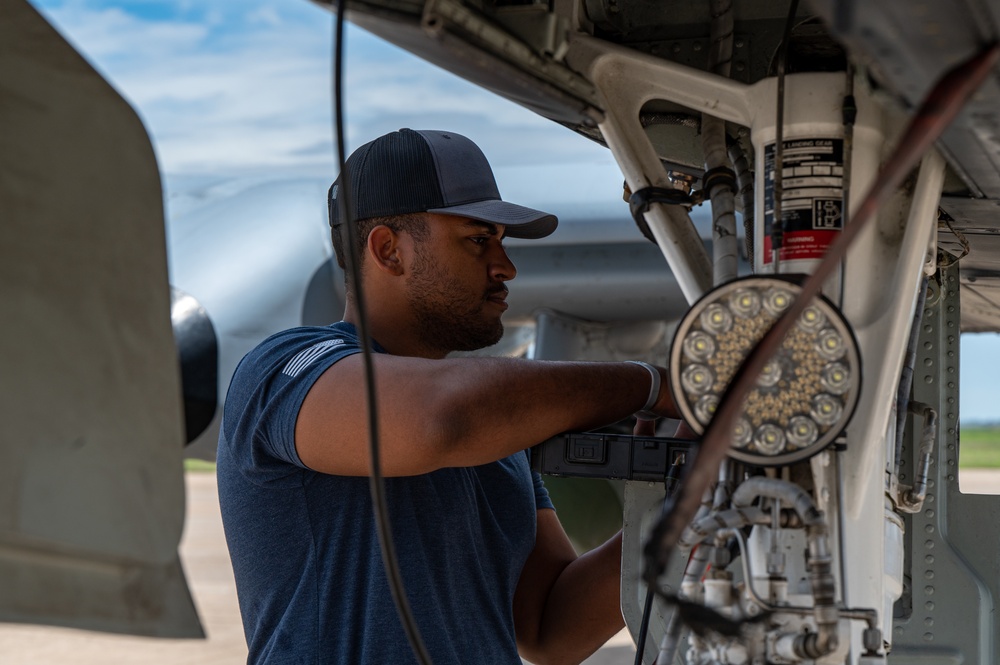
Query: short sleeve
pixel 542 499
pixel 265 396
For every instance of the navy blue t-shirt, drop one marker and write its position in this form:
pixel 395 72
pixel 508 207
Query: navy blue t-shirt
pixel 304 548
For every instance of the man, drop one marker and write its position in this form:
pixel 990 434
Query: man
pixel 487 568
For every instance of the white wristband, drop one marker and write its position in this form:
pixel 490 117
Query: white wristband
pixel 654 391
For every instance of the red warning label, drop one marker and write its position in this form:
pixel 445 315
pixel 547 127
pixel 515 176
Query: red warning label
pixel 811 202
pixel 801 245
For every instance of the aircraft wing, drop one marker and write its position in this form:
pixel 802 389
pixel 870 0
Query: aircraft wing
pixel 538 54
pixel 91 440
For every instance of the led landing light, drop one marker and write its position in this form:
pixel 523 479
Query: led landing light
pixel 804 396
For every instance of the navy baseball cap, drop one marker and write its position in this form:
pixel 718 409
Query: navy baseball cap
pixel 412 171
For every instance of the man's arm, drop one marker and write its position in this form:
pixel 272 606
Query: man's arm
pixel 459 412
pixel 566 607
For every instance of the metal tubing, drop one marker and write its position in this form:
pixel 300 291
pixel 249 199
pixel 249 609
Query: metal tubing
pixel 727 519
pixel 744 181
pixel 818 560
pixel 911 499
pixel 725 249
pixel 693 571
pixel 906 377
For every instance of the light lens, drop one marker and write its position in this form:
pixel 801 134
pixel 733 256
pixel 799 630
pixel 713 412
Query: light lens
pixel 826 409
pixel 802 398
pixel 770 375
pixel 699 346
pixel 745 303
pixel 836 378
pixel 830 345
pixel 716 319
pixel 777 300
pixel 705 407
pixel 802 432
pixel 812 319
pixel 742 433
pixel 769 439
pixel 697 379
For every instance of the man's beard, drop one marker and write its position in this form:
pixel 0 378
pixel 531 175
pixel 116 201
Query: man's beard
pixel 449 313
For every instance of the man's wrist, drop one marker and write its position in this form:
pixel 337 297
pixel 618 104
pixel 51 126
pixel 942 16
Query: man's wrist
pixel 645 413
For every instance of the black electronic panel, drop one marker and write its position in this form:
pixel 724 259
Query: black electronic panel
pixel 611 456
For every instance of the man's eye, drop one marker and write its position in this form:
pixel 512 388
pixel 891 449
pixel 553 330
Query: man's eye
pixel 479 240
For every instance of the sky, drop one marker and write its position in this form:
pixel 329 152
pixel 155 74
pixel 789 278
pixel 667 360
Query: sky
pixel 233 87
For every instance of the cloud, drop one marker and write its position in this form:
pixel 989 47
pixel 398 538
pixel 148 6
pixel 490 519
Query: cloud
pixel 235 86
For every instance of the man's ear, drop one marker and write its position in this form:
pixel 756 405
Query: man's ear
pixel 384 248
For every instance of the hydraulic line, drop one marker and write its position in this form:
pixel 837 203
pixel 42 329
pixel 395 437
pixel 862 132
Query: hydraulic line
pixel 911 499
pixel 719 181
pixel 674 633
pixel 849 112
pixel 818 559
pixel 744 181
pixel 940 107
pixel 906 377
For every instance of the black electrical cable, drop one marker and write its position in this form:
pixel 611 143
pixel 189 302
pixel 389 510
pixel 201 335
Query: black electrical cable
pixel 376 482
pixel 777 221
pixel 647 611
pixel 669 487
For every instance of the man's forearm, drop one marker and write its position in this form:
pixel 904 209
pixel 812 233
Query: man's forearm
pixel 583 610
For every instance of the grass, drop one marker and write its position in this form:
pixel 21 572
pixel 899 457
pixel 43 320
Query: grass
pixel 979 447
pixel 192 464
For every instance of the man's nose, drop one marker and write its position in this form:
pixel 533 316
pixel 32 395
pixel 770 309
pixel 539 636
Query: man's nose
pixel 501 267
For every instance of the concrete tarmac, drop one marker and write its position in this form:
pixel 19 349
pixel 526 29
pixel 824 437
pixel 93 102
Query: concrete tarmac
pixel 210 576
pixel 206 562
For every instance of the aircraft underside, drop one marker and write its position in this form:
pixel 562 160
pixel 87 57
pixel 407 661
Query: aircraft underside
pixel 833 531
pixel 820 541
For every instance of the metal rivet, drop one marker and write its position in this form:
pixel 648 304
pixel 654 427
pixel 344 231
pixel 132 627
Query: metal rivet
pixel 929 513
pixel 929 574
pixel 929 544
pixel 929 590
pixel 929 558
pixel 929 528
pixel 929 606
pixel 928 637
pixel 928 622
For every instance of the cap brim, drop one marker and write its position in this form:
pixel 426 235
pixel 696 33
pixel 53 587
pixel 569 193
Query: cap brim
pixel 518 221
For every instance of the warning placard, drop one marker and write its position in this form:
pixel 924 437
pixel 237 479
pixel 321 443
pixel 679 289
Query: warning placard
pixel 812 177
